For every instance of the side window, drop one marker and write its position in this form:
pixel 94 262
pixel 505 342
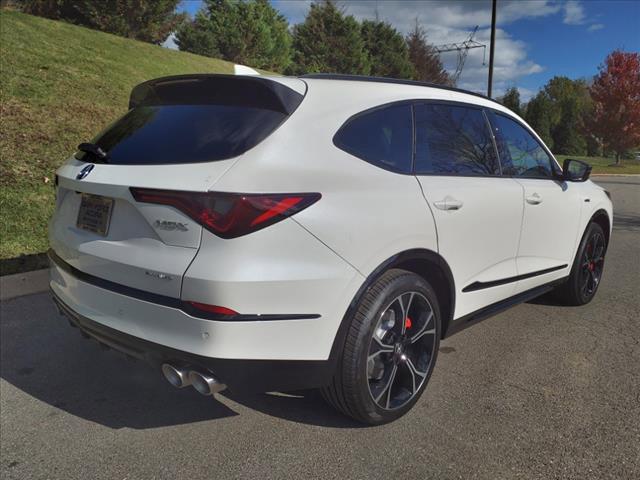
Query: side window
pixel 383 137
pixel 453 140
pixel 520 153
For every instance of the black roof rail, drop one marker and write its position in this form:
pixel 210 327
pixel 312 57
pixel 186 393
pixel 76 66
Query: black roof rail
pixel 366 78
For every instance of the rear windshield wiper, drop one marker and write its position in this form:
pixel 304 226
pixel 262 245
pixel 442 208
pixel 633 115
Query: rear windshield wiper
pixel 95 150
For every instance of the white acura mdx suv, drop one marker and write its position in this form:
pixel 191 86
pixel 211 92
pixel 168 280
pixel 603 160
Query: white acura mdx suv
pixel 326 231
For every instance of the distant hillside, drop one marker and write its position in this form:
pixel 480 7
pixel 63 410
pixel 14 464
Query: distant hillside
pixel 60 85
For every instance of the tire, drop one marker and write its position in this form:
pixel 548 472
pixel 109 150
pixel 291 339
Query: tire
pixel 587 268
pixel 387 346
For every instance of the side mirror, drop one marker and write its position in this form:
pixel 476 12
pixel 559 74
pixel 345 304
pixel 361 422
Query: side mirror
pixel 575 170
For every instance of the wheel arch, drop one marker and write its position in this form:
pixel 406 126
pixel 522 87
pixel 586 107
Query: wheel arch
pixel 425 263
pixel 601 217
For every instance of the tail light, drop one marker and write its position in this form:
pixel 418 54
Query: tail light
pixel 230 215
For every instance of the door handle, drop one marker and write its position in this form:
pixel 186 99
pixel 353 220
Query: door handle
pixel 534 199
pixel 448 203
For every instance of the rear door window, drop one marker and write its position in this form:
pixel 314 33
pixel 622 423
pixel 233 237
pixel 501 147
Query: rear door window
pixel 521 154
pixel 453 140
pixel 383 137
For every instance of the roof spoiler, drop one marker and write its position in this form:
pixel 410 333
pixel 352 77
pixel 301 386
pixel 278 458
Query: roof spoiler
pixel 244 70
pixel 213 89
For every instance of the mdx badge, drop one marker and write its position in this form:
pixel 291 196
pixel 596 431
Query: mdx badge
pixel 170 226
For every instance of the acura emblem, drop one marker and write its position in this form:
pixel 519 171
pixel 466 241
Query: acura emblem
pixel 84 172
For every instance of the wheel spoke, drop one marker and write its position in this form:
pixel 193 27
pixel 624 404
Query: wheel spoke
pixel 414 372
pixel 379 348
pixel 387 388
pixel 423 330
pixel 405 305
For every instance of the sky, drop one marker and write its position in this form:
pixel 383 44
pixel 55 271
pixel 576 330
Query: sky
pixel 535 39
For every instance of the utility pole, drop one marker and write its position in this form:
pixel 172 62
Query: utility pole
pixel 492 47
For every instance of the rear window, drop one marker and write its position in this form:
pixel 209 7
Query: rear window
pixel 195 118
pixel 166 134
pixel 383 137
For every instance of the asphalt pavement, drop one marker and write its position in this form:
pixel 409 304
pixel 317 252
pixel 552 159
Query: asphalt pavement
pixel 540 391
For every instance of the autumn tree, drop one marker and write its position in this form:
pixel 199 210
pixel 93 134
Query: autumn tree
pixel 616 99
pixel 511 100
pixel 249 32
pixel 386 49
pixel 426 61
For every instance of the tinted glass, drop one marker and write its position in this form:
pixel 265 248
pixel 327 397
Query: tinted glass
pixel 520 153
pixel 453 140
pixel 382 137
pixel 185 133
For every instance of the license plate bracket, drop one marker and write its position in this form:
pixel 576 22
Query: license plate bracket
pixel 94 214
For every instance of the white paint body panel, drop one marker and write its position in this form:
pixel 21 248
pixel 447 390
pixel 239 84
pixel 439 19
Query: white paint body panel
pixel 479 241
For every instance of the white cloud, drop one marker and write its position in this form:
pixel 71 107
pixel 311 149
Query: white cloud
pixel 574 13
pixel 595 27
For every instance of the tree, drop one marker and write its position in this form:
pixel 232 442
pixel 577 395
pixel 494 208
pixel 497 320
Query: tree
pixel 147 20
pixel 250 32
pixel 570 105
pixel 616 98
pixel 386 49
pixel 328 41
pixel 558 114
pixel 511 100
pixel 425 60
pixel 538 116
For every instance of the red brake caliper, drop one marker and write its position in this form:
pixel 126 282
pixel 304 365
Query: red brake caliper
pixel 407 323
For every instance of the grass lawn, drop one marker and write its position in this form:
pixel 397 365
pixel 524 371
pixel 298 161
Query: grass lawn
pixel 604 165
pixel 60 85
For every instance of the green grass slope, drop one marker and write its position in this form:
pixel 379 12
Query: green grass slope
pixel 61 84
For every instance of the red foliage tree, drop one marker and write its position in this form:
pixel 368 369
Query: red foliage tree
pixel 616 98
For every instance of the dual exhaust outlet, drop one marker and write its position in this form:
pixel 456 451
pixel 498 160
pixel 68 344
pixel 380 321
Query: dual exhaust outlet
pixel 204 382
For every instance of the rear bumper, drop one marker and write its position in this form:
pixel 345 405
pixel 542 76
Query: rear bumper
pixel 238 375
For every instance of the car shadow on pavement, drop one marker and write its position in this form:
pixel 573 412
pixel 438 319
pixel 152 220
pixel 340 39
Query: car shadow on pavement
pixel 628 223
pixel 50 361
pixel 305 406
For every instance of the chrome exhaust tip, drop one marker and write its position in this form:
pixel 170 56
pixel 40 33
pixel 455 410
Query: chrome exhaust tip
pixel 205 383
pixel 176 376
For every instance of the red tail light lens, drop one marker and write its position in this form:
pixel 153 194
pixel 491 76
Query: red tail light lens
pixel 230 215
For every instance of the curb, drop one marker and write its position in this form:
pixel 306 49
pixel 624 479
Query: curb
pixel 616 175
pixel 23 263
pixel 21 284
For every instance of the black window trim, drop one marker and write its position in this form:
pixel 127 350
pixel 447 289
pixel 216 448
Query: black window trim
pixel 488 113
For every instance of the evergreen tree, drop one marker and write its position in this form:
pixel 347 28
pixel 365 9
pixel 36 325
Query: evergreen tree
pixel 426 61
pixel 387 51
pixel 147 20
pixel 511 100
pixel 249 32
pixel 328 41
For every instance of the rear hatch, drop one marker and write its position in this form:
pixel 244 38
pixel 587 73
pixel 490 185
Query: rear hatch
pixel 180 133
